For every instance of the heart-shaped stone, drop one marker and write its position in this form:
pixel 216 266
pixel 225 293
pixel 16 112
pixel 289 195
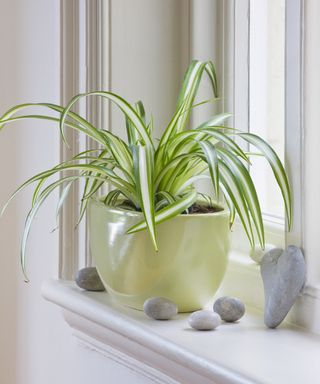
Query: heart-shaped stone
pixel 283 273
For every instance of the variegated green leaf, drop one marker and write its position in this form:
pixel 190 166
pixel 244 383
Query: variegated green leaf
pixel 29 219
pixel 211 157
pixel 231 188
pixel 124 106
pixel 78 167
pixel 277 168
pixel 111 197
pixel 188 92
pixel 31 216
pixel 170 129
pixel 182 171
pixel 168 212
pixel 216 120
pixel 132 133
pixel 230 205
pixel 220 136
pixel 150 126
pixel 140 110
pixel 211 71
pixel 144 168
pixel 191 182
pixel 90 133
pixel 182 176
pixel 170 167
pixel 63 195
pixel 248 190
pixel 158 181
pixel 167 199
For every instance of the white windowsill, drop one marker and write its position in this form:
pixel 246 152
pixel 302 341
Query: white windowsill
pixel 170 352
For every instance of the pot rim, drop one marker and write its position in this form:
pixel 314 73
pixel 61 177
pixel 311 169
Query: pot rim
pixel 122 211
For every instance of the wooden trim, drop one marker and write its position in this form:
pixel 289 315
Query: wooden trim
pixel 173 353
pixel 68 238
pixel 226 14
pixel 237 93
pixel 241 65
pixel 176 353
pixel 98 65
pixel 85 50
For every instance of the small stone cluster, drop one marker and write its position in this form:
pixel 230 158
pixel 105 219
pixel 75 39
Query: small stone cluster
pixel 283 273
pixel 228 309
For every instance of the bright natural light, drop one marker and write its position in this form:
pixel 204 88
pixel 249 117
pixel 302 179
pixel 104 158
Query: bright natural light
pixel 267 42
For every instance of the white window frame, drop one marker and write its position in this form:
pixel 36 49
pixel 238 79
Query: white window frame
pixel 82 55
pixel 83 19
pixel 244 276
pixel 237 36
pixel 294 127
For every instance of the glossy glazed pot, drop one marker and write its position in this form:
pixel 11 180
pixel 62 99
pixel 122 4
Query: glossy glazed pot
pixel 187 269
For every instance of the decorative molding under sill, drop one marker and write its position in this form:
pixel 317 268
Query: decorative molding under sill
pixel 123 359
pixel 170 352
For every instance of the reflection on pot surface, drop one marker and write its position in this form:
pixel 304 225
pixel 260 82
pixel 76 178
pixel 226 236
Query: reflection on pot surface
pixel 187 269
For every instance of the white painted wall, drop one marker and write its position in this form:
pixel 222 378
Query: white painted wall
pixel 205 25
pixel 32 334
pixel 36 345
pixel 149 54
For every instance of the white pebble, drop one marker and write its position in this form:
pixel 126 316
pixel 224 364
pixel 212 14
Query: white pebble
pixel 204 320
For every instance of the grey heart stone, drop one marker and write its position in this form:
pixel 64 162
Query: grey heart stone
pixel 160 308
pixel 88 279
pixel 283 273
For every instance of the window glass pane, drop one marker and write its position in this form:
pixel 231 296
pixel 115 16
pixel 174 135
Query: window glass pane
pixel 267 47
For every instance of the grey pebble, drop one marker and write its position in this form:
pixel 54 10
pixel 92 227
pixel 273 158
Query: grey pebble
pixel 204 320
pixel 160 308
pixel 230 309
pixel 283 274
pixel 88 279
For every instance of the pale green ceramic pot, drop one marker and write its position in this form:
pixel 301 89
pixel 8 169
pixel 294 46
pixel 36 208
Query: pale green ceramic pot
pixel 187 269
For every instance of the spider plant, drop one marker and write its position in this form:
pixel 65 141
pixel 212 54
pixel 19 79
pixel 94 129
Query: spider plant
pixel 157 177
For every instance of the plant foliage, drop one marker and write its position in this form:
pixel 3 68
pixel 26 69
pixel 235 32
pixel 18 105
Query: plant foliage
pixel 157 177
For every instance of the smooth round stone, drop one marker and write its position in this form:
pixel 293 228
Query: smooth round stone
pixel 230 309
pixel 160 308
pixel 88 279
pixel 204 320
